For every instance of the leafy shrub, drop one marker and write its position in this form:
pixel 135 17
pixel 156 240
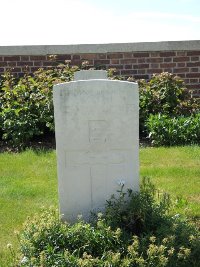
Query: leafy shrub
pixel 165 94
pixel 113 239
pixel 46 238
pixel 138 213
pixel 27 107
pixel 167 131
pixel 147 215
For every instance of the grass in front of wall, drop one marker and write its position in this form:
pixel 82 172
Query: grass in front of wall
pixel 28 182
pixel 175 170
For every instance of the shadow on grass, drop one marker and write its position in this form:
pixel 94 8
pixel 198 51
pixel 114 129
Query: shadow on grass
pixel 38 145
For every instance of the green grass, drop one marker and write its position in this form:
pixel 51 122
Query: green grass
pixel 28 181
pixel 175 170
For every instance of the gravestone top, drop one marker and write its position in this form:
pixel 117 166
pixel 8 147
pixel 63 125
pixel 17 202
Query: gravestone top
pixel 90 75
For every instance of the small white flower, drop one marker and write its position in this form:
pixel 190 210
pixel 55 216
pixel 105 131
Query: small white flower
pixel 9 245
pixel 176 216
pixel 24 260
pixel 121 182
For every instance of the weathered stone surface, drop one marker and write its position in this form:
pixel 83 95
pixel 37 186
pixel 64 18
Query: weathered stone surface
pixel 97 142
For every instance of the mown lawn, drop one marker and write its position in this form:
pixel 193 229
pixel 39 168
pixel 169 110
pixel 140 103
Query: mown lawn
pixel 176 171
pixel 28 181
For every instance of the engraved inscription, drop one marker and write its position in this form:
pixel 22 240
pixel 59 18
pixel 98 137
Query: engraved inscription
pixel 95 92
pixel 97 131
pixel 74 158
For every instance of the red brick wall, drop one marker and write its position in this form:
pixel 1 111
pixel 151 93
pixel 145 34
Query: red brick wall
pixel 185 64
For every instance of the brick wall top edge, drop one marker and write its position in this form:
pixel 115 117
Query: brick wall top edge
pixel 100 48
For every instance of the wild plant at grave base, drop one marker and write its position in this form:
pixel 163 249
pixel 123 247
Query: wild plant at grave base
pixel 47 241
pixel 138 212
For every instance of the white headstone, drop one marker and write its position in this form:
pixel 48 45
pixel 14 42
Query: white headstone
pixel 97 141
pixel 90 75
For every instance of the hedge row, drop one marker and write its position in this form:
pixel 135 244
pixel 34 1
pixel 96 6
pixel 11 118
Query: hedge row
pixel 26 109
pixel 26 106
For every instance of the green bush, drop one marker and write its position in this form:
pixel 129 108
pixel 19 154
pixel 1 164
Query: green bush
pixel 46 240
pixel 165 94
pixel 113 238
pixel 167 131
pixel 138 213
pixel 26 105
